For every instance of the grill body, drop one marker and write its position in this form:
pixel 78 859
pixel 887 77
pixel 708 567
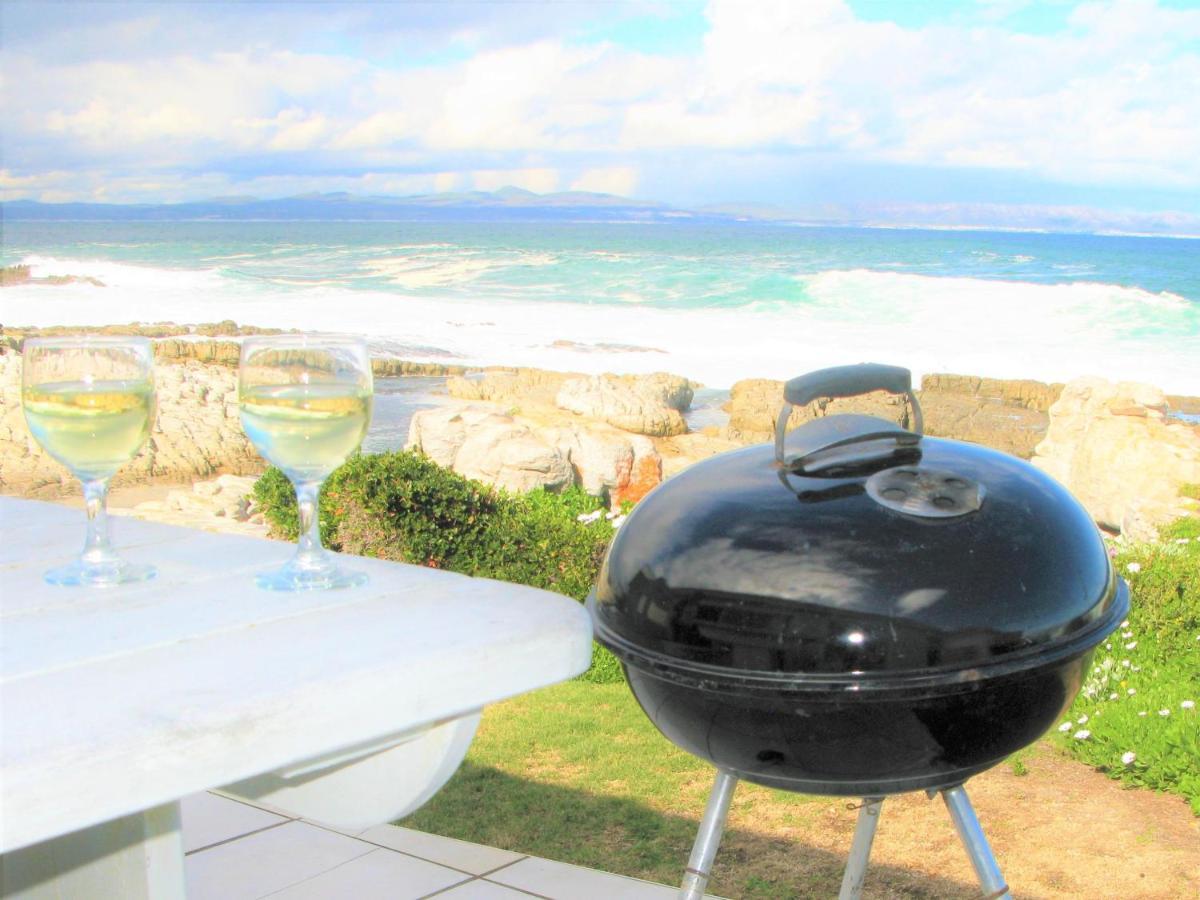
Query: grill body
pixel 798 632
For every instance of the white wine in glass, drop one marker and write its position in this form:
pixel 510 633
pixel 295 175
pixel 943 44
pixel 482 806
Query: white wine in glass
pixel 306 403
pixel 89 401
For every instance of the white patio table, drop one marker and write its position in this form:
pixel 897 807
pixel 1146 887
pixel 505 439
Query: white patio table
pixel 348 706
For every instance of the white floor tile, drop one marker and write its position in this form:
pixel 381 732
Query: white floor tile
pixel 259 864
pixel 380 875
pixel 483 890
pixel 208 819
pixel 474 858
pixel 566 882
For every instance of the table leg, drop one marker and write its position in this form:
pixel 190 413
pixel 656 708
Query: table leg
pixel 137 857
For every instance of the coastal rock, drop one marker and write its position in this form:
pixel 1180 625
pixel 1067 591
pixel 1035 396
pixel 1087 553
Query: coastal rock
pixel 649 404
pixel 1115 449
pixel 512 457
pixel 1005 414
pixel 224 505
pixel 197 434
pixel 1008 415
pixel 490 447
pixel 512 387
pixel 394 368
pixel 224 353
pixel 683 450
pixel 520 453
pixel 754 404
pixel 608 462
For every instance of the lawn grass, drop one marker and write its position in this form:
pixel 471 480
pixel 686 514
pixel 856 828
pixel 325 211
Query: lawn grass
pixel 554 773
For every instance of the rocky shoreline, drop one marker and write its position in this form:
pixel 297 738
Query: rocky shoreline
pixel 1118 447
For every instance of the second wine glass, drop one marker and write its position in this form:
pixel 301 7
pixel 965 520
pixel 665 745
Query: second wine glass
pixel 305 404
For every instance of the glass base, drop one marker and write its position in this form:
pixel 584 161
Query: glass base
pixel 110 574
pixel 299 578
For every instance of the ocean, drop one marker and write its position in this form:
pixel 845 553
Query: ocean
pixel 715 303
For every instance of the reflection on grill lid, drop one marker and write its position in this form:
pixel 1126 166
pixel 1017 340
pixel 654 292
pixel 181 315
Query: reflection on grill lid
pixel 889 558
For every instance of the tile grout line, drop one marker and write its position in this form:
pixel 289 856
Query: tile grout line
pixel 216 792
pixel 315 875
pixel 238 837
pixel 522 858
pixel 517 889
pixel 354 837
pixel 498 884
pixel 448 887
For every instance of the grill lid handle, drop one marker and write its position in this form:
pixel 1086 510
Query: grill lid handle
pixel 845 381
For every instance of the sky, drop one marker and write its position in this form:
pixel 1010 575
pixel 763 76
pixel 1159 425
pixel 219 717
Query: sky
pixel 802 104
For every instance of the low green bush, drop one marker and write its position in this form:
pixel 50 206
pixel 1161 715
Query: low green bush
pixel 1137 717
pixel 405 507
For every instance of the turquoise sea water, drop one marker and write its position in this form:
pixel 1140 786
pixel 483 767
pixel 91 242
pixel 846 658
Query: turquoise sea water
pixel 712 302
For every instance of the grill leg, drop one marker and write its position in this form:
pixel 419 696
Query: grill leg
pixel 860 849
pixel 708 838
pixel 973 839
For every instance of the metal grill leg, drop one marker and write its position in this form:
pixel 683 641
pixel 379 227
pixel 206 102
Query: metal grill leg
pixel 973 839
pixel 708 838
pixel 860 849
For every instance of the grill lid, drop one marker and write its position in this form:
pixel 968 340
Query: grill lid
pixel 855 554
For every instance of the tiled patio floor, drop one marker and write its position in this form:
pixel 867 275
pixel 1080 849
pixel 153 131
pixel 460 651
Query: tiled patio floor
pixel 240 852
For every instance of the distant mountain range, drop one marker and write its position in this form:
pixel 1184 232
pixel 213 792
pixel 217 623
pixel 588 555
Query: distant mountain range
pixel 513 204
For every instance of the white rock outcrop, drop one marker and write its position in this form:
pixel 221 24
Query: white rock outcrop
pixel 1117 451
pixel 519 453
pixel 648 404
pixel 489 446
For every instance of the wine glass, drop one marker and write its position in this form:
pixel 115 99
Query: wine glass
pixel 89 401
pixel 306 402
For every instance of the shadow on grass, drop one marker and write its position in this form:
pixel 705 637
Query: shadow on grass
pixel 486 806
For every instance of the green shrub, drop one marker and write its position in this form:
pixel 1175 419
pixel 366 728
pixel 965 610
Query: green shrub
pixel 405 507
pixel 1137 717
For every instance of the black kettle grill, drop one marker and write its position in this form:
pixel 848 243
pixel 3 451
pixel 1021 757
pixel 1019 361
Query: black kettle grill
pixel 858 610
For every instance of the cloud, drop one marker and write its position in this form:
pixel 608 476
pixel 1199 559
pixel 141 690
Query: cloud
pixel 456 95
pixel 622 180
pixel 540 181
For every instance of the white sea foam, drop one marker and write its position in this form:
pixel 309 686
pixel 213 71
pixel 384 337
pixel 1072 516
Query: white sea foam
pixel 424 270
pixel 1051 332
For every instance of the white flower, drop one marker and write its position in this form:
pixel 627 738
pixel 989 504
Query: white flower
pixel 1109 646
pixel 1127 634
pixel 588 518
pixel 1082 720
pixel 1181 540
pixel 1064 727
pixel 1112 696
pixel 1135 668
pixel 616 523
pixel 1131 645
pixel 1082 734
pixel 1134 567
pixel 1164 712
pixel 1126 663
pixel 1188 704
pixel 1143 713
pixel 1128 757
pixel 1131 691
pixel 1125 624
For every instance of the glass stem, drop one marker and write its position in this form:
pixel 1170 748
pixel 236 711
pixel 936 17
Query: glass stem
pixel 97 551
pixel 309 552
